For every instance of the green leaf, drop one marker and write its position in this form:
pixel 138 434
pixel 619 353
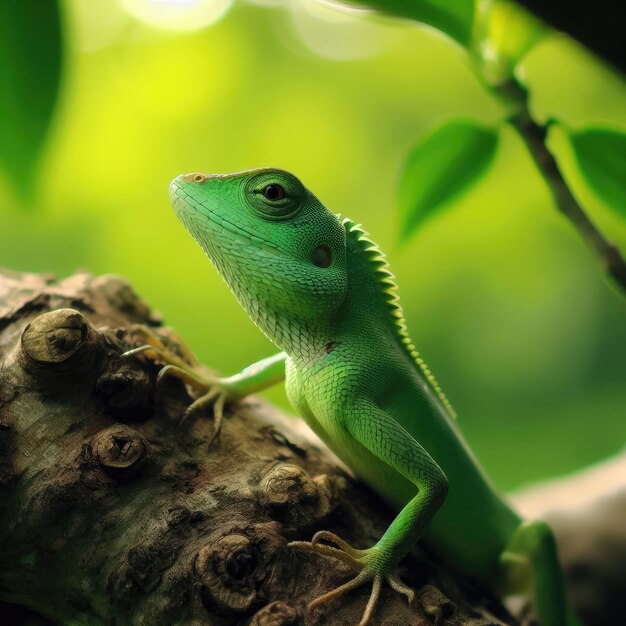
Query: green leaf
pixel 452 17
pixel 601 156
pixel 442 165
pixel 30 66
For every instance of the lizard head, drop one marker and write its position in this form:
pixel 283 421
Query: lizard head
pixel 280 250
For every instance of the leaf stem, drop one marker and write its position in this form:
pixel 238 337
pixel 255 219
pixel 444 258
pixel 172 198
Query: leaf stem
pixel 534 136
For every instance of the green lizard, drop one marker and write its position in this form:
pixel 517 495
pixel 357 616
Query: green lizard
pixel 321 291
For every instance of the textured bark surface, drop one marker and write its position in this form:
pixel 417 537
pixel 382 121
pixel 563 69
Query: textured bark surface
pixel 113 512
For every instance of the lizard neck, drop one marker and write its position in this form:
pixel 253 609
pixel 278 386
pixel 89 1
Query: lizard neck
pixel 373 300
pixel 365 317
pixel 303 340
pixel 300 336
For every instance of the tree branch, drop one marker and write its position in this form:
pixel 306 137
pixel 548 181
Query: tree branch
pixel 534 136
pixel 587 511
pixel 112 511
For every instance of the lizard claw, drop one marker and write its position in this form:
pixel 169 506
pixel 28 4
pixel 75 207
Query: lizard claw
pixel 213 390
pixel 360 579
pixel 218 396
pixel 393 580
pixel 365 562
pixel 326 535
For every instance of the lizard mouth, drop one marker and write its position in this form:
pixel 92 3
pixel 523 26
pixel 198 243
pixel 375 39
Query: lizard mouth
pixel 199 217
pixel 179 198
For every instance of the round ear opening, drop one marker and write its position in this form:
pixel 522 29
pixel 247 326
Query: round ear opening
pixel 322 256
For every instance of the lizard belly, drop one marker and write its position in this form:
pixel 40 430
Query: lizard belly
pixel 296 383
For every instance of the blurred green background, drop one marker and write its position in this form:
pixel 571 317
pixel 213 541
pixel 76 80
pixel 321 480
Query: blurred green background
pixel 502 298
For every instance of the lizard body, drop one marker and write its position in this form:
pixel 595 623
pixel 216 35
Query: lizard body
pixel 322 292
pixel 371 358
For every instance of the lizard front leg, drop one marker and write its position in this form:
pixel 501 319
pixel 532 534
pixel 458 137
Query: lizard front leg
pixel 214 390
pixel 389 442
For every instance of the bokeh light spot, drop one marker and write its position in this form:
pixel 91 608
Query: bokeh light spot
pixel 178 15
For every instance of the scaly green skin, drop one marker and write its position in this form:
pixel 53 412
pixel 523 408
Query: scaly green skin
pixel 321 291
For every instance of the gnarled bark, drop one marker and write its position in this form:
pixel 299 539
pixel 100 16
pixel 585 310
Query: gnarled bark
pixel 113 512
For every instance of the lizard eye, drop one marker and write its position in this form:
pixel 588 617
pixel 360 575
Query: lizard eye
pixel 321 256
pixel 273 192
pixel 274 195
pixel 199 178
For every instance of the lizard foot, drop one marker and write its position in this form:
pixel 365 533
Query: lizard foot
pixel 211 389
pixel 369 564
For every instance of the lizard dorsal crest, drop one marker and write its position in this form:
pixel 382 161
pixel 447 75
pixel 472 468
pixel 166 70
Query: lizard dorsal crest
pixel 388 289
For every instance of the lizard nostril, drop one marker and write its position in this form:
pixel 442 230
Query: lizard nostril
pixel 199 178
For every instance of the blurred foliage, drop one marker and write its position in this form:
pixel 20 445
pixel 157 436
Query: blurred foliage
pixel 502 33
pixel 30 67
pixel 503 300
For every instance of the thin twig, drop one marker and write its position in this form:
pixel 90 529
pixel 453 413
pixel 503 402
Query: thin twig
pixel 534 136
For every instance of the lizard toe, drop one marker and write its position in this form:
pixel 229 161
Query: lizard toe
pixel 370 567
